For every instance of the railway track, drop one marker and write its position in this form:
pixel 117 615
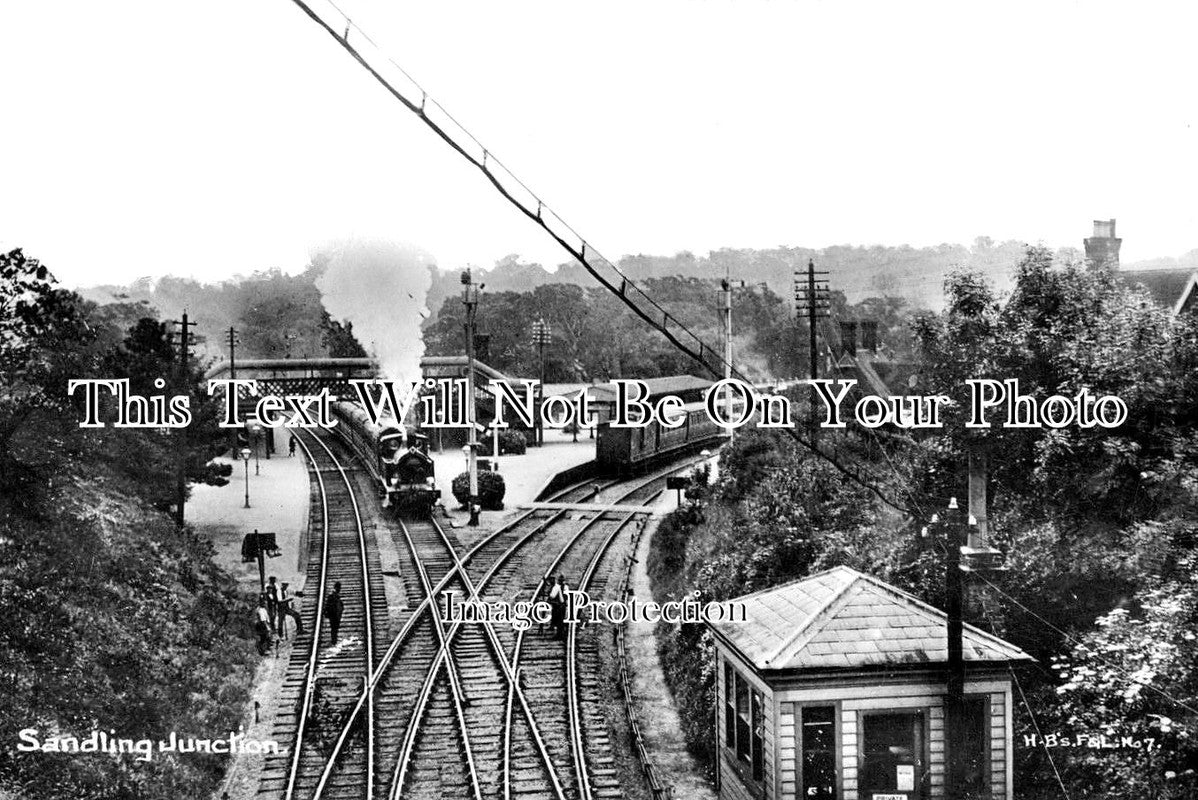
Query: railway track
pixel 322 684
pixel 520 745
pixel 425 708
pixel 563 674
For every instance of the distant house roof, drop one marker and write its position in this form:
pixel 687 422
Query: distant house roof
pixel 1172 287
pixel 843 619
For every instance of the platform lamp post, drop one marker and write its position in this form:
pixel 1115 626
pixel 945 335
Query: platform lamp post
pixel 542 335
pixel 256 439
pixel 245 459
pixel 470 300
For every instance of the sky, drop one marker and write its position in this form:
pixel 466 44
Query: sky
pixel 217 138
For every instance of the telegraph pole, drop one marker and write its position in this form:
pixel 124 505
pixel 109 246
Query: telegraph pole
pixel 954 707
pixel 181 448
pixel 233 373
pixel 470 300
pixel 541 336
pixel 811 297
pixel 232 352
pixel 726 290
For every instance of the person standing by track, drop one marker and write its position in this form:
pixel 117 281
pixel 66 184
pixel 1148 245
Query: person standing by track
pixel 286 609
pixel 547 590
pixel 334 607
pixel 262 627
pixel 271 593
pixel 557 604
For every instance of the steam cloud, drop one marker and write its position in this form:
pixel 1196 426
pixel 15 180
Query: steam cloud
pixel 380 287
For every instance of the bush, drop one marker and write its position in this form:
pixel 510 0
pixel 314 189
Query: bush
pixel 491 489
pixel 686 651
pixel 511 443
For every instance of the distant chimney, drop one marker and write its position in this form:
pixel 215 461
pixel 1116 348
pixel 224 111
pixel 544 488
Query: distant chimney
pixel 848 337
pixel 869 335
pixel 1102 249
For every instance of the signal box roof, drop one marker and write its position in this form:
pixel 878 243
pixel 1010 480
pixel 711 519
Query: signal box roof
pixel 843 619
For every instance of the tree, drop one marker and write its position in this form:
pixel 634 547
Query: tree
pixel 115 617
pixel 1134 675
pixel 338 339
pixel 44 339
pixel 1064 502
pixel 1065 329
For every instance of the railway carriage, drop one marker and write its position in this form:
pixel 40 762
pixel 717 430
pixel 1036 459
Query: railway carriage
pixel 395 455
pixel 628 450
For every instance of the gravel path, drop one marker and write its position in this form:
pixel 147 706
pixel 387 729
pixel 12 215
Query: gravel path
pixel 659 718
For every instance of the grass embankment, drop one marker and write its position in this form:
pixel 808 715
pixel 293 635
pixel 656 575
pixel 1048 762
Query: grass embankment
pixel 113 621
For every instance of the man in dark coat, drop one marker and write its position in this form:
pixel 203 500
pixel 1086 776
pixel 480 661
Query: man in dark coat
pixel 557 602
pixel 272 600
pixel 333 608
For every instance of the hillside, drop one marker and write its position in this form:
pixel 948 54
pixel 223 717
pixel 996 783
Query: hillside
pixel 115 618
pixel 915 275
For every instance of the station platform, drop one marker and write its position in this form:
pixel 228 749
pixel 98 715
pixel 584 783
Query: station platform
pixel 279 500
pixel 524 476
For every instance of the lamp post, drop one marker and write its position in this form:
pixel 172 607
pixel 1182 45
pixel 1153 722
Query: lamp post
pixel 256 433
pixel 494 446
pixel 245 458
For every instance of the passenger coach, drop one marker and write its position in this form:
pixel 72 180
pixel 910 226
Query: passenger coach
pixel 628 450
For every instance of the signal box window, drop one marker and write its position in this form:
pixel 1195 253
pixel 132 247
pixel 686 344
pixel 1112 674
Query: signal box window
pixel 818 738
pixel 744 723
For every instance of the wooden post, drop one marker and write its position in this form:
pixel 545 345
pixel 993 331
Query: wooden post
pixel 954 708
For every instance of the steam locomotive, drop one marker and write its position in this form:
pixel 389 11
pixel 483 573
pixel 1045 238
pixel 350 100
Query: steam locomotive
pixel 396 456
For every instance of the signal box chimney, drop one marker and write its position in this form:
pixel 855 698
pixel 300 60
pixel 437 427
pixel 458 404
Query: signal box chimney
pixel 1102 249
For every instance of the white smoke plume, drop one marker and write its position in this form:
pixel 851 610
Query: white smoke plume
pixel 380 286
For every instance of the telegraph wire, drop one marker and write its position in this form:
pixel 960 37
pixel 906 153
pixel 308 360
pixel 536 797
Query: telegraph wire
pixel 1031 714
pixel 1078 642
pixel 657 317
pixel 1039 735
